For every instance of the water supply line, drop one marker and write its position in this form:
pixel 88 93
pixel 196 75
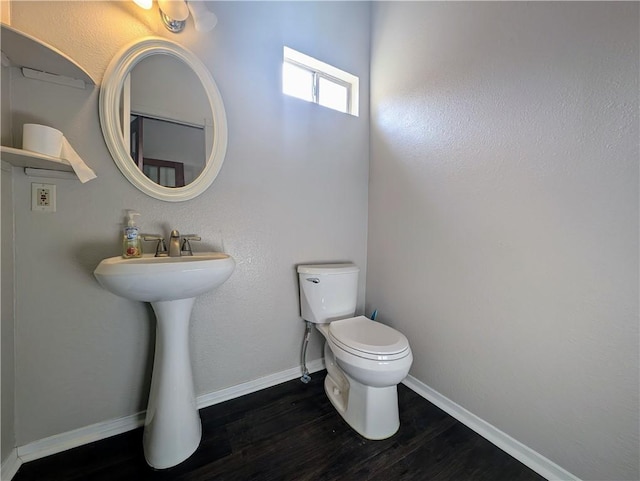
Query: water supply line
pixel 307 334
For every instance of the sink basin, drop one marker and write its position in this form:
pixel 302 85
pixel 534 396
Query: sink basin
pixel 151 279
pixel 172 427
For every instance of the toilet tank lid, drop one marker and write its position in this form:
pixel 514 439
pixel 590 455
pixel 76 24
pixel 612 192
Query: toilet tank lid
pixel 328 269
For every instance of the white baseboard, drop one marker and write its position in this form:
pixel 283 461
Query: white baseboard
pixel 95 432
pixel 78 437
pixel 10 466
pixel 527 456
pixel 233 392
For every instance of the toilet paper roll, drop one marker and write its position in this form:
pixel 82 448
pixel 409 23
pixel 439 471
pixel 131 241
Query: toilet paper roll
pixel 49 141
pixel 42 139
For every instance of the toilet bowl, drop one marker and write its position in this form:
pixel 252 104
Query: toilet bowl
pixel 363 372
pixel 365 360
pixel 372 353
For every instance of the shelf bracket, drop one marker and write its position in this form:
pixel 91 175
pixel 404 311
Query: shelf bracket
pixel 53 78
pixel 51 174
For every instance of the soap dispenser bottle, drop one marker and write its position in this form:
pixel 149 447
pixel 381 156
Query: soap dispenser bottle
pixel 131 242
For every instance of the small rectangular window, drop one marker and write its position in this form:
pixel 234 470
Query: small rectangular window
pixel 310 79
pixel 297 82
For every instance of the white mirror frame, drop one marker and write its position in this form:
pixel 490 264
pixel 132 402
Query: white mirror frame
pixel 110 93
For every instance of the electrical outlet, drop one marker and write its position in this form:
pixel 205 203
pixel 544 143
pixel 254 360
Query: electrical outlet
pixel 43 197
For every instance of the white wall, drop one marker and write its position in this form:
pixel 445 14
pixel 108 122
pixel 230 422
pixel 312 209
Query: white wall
pixel 293 189
pixel 7 320
pixel 7 328
pixel 503 233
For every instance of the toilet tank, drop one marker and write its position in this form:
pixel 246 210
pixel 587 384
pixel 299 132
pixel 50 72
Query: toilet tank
pixel 328 291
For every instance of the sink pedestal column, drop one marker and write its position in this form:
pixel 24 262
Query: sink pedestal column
pixel 172 428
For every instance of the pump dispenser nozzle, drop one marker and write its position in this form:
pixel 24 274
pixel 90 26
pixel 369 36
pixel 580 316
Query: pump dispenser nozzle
pixel 130 217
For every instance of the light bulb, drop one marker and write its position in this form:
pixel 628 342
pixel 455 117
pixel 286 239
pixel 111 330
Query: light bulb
pixel 203 18
pixel 174 14
pixel 174 9
pixel 146 4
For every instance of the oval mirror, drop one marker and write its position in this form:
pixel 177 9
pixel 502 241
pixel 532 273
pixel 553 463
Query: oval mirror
pixel 163 119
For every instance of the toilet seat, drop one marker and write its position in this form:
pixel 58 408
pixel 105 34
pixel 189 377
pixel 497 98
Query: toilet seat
pixel 368 339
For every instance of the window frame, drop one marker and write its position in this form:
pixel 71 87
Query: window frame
pixel 323 70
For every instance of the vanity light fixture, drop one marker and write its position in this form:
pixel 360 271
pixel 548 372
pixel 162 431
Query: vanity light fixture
pixel 174 14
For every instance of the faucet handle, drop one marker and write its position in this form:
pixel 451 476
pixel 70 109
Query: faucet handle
pixel 161 246
pixel 186 246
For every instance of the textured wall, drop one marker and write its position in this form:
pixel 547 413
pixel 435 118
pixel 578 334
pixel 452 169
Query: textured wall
pixel 293 189
pixel 7 321
pixel 503 232
pixel 7 441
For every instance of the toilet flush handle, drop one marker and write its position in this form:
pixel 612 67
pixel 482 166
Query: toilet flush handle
pixel 315 280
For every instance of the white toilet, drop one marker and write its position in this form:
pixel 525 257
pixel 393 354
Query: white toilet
pixel 365 360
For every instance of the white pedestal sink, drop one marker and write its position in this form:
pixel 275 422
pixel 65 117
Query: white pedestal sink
pixel 172 428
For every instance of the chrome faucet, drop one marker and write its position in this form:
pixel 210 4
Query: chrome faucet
pixel 176 248
pixel 174 244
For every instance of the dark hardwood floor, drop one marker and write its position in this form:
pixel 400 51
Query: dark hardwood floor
pixel 291 432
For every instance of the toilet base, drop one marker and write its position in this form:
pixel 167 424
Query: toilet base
pixel 371 411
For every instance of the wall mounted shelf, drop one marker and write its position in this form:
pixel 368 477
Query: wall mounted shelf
pixel 27 52
pixel 41 61
pixel 33 160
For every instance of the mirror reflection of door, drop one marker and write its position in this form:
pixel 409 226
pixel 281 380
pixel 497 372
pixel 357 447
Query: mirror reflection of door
pixel 163 172
pixel 135 131
pixel 156 143
pixel 169 133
